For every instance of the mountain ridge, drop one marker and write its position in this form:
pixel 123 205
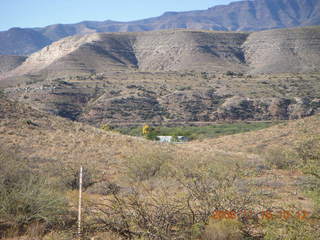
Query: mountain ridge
pixel 271 51
pixel 174 76
pixel 237 16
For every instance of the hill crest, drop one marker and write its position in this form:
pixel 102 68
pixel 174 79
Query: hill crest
pixel 253 15
pixel 272 51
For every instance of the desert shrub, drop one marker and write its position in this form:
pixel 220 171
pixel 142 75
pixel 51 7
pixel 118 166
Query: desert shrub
pixel 106 236
pixel 30 123
pixel 105 127
pixel 211 188
pixel 26 198
pixel 177 211
pixel 147 164
pixel 204 75
pixel 146 215
pixel 70 177
pixel 280 159
pixel 225 229
pixel 58 236
pixel 31 199
pixel 152 135
pixel 309 150
pixel 309 153
pixel 183 88
pixel 230 73
pixel 36 229
pixel 104 188
pixel 142 215
pixel 290 229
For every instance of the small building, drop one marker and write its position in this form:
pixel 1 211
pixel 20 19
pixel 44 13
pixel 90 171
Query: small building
pixel 172 139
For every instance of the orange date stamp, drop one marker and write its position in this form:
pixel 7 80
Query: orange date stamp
pixel 268 214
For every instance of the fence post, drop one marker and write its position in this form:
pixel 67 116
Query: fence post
pixel 80 201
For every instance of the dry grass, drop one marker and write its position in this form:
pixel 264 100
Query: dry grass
pixel 286 135
pixel 53 143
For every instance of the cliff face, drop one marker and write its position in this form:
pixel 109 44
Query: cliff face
pixel 253 15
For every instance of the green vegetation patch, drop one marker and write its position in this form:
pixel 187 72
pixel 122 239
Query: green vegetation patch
pixel 201 132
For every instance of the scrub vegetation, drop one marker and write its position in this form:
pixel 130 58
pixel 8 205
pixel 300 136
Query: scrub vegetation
pixel 261 184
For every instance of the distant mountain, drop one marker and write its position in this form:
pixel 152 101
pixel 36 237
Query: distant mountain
pixel 272 51
pixel 8 62
pixel 253 15
pixel 18 41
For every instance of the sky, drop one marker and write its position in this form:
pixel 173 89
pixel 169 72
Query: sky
pixel 40 13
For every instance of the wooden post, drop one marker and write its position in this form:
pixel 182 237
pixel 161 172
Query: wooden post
pixel 80 200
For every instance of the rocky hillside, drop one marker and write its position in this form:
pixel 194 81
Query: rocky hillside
pixel 238 16
pixel 174 76
pixel 273 51
pixel 151 51
pixel 128 98
pixel 285 50
pixel 9 62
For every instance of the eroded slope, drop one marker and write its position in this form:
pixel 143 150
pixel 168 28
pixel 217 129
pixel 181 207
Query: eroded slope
pixel 152 51
pixel 10 62
pixel 174 76
pixel 274 51
pixel 286 50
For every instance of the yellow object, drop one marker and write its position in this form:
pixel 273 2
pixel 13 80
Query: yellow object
pixel 146 130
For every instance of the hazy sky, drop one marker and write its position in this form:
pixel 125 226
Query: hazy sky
pixel 39 13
